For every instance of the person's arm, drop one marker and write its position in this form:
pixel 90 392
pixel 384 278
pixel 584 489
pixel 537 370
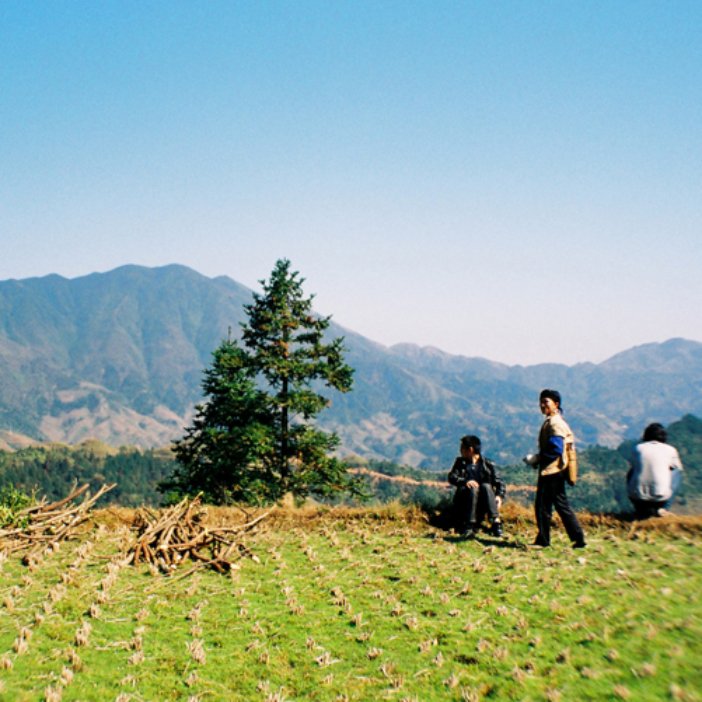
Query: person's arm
pixel 472 474
pixel 498 485
pixel 551 451
pixel 500 489
pixel 455 476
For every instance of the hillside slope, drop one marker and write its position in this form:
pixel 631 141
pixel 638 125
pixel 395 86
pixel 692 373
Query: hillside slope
pixel 119 356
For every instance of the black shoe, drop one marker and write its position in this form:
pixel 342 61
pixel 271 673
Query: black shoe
pixel 496 529
pixel 579 544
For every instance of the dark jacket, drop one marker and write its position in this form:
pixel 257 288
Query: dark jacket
pixel 482 472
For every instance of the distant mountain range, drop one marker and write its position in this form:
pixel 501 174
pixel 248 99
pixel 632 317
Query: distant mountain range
pixel 118 356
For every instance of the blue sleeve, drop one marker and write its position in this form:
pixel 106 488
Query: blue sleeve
pixel 552 450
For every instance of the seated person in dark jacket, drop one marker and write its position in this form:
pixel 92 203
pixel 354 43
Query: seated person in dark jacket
pixel 479 489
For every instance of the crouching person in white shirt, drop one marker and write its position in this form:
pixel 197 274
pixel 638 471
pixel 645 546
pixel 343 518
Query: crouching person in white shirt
pixel 655 474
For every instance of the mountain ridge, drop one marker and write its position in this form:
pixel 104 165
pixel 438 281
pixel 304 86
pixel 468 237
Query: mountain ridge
pixel 119 356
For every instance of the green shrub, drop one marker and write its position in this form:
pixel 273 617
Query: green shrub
pixel 12 502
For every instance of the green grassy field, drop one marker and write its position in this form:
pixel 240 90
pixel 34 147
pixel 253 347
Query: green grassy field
pixel 363 605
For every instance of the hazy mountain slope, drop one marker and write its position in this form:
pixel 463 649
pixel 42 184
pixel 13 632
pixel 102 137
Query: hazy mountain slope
pixel 605 403
pixel 130 343
pixel 119 356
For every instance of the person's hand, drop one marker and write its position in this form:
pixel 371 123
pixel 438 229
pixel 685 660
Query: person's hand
pixel 473 484
pixel 498 502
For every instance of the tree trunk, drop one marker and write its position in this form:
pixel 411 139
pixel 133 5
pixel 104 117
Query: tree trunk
pixel 285 464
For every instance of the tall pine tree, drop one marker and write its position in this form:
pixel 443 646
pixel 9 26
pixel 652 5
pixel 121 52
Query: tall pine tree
pixel 254 439
pixel 227 452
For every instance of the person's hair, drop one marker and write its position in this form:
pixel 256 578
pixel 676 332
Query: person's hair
pixel 552 395
pixel 655 432
pixel 471 441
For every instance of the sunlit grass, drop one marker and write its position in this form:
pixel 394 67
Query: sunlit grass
pixel 363 606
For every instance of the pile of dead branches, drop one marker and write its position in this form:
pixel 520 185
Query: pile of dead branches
pixel 44 524
pixel 164 540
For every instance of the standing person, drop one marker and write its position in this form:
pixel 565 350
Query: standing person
pixel 655 475
pixel 479 489
pixel 551 461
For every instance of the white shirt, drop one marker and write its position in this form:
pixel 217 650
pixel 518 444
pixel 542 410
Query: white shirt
pixel 650 478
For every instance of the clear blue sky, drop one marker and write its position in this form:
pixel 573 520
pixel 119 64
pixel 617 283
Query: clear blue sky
pixel 515 180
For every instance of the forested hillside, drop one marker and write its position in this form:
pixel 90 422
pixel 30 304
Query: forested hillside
pixel 51 470
pixel 119 356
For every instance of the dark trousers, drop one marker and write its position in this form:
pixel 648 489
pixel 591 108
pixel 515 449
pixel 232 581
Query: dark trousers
pixel 550 493
pixel 648 508
pixel 470 505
